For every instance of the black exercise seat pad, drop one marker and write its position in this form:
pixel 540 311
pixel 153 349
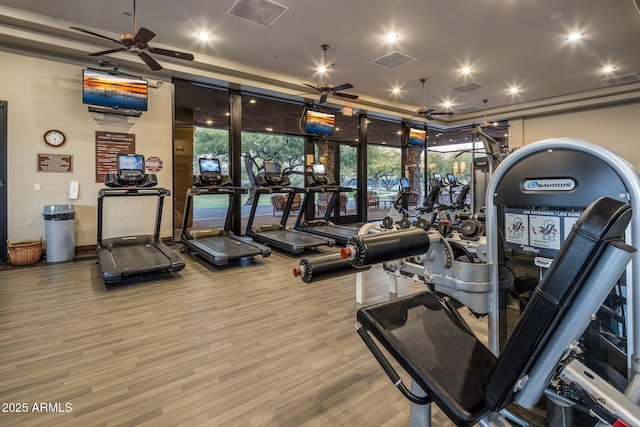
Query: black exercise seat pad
pixel 445 360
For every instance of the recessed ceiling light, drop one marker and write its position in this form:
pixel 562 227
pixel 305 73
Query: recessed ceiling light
pixel 252 101
pixel 513 90
pixel 574 36
pixel 391 37
pixel 209 122
pixel 607 69
pixel 203 35
pixel 447 104
pixel 395 90
pixel 322 69
pixel 466 70
pixel 269 129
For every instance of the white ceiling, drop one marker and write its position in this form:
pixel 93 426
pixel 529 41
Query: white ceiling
pixel 507 42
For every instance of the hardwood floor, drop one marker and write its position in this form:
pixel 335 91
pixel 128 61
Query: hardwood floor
pixel 240 346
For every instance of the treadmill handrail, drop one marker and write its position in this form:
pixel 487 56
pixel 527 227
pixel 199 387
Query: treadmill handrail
pixel 216 190
pixel 133 191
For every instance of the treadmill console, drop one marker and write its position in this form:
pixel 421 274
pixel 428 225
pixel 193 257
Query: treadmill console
pixel 210 173
pixel 405 186
pixel 272 175
pixel 130 173
pixel 318 176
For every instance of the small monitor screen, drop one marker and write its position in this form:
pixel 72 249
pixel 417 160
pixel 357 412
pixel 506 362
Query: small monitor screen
pixel 437 176
pixel 404 182
pixel 417 137
pixel 320 123
pixel 209 165
pixel 272 167
pixel 131 162
pixel 318 169
pixel 451 178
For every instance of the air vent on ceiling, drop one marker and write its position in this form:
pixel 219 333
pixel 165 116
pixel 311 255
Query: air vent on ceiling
pixel 261 12
pixel 621 80
pixel 393 60
pixel 467 88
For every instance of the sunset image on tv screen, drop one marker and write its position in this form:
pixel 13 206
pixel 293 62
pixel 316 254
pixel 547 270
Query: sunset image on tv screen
pixel 114 90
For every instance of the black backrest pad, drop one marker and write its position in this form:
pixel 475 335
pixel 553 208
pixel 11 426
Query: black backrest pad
pixel 604 220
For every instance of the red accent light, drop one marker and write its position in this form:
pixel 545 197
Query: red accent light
pixel 345 253
pixel 297 272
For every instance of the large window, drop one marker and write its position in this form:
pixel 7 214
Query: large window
pixel 384 166
pixel 451 154
pixel 201 128
pixel 270 131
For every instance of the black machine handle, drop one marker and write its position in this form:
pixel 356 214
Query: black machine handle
pixel 388 369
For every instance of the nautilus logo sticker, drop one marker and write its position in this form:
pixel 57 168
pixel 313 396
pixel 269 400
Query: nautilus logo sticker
pixel 558 184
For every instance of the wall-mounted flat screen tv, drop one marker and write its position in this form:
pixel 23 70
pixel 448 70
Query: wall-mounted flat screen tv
pixel 319 123
pixel 114 90
pixel 417 137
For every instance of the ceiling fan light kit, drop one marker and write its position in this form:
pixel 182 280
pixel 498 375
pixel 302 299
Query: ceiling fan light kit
pixel 428 113
pixel 325 89
pixel 137 42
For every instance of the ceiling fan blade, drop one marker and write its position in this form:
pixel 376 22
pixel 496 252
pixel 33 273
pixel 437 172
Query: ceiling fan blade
pixel 151 63
pixel 342 87
pixel 95 34
pixel 144 36
pixel 106 52
pixel 172 53
pixel 346 95
pixel 444 113
pixel 323 98
pixel 311 86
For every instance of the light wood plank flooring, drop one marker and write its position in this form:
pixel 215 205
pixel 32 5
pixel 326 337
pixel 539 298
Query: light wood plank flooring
pixel 240 346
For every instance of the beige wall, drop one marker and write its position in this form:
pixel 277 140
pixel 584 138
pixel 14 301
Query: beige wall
pixel 617 128
pixel 44 94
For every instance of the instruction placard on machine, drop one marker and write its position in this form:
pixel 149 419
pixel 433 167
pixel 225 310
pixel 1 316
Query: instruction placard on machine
pixel 537 231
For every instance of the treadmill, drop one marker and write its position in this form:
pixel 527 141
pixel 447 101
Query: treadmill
pixel 272 181
pixel 217 246
pixel 121 257
pixel 319 182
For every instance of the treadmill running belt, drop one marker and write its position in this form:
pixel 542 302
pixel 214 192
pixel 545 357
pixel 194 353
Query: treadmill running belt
pixel 231 247
pixel 139 258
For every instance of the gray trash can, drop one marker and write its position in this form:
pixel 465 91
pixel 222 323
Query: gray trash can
pixel 59 232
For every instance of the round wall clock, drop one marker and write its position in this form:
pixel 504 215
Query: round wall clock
pixel 54 138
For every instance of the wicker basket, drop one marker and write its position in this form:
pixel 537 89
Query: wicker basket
pixel 25 253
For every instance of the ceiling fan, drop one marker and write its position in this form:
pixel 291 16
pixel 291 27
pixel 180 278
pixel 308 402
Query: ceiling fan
pixel 485 124
pixel 325 89
pixel 428 113
pixel 137 42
